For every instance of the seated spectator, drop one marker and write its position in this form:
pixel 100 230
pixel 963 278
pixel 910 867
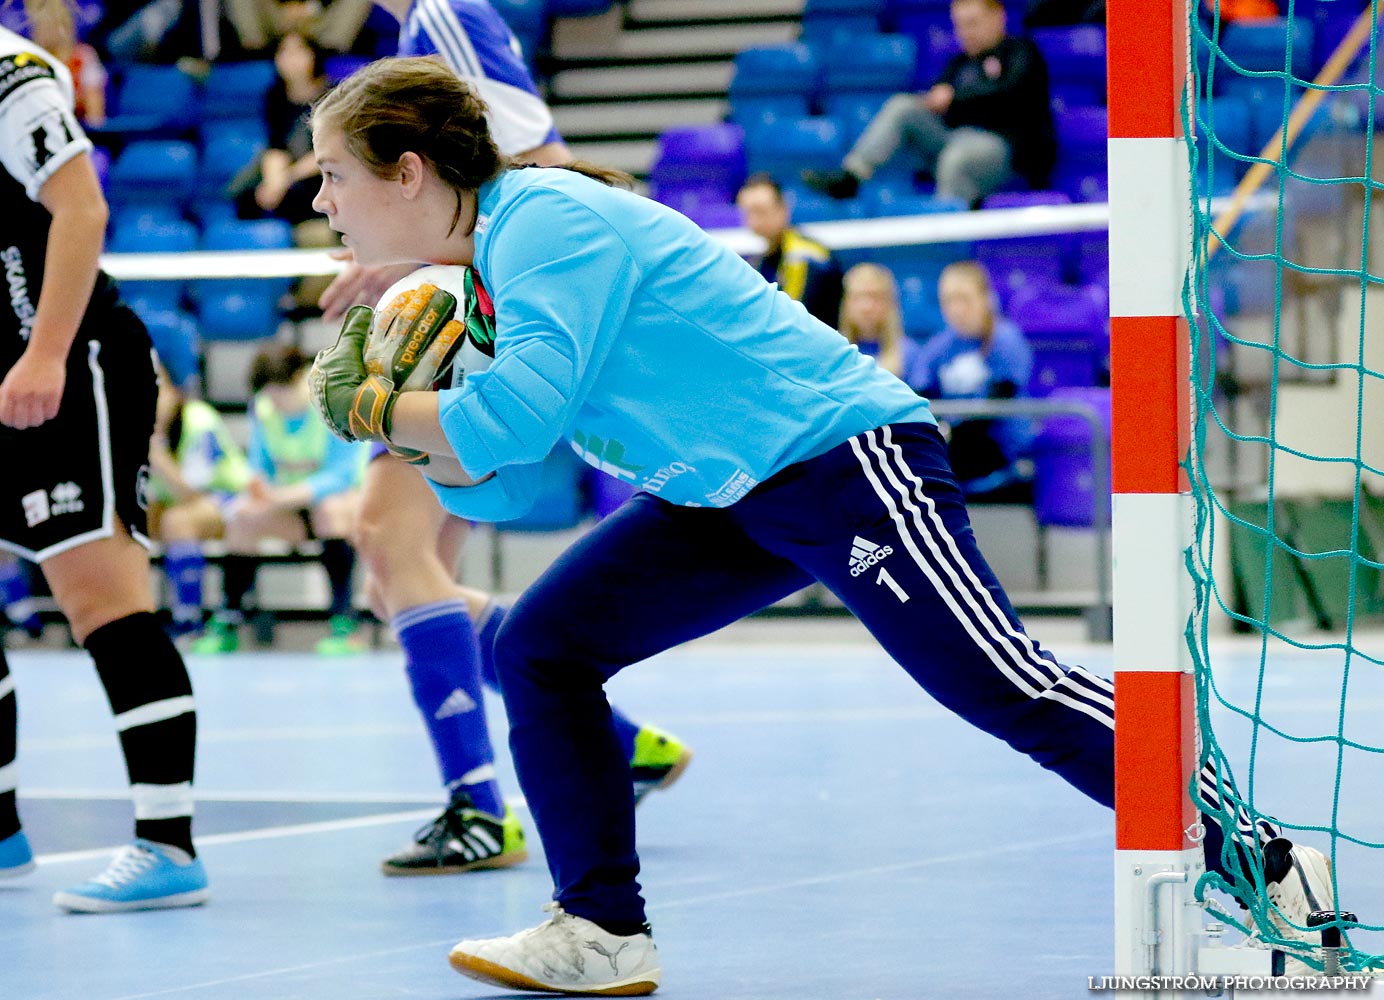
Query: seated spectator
pixel 872 320
pixel 331 24
pixel 285 178
pixel 986 119
pixel 197 471
pixel 304 484
pixel 978 355
pixel 51 27
pixel 802 267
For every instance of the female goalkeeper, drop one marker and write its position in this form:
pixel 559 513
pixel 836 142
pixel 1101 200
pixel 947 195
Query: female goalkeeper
pixel 770 452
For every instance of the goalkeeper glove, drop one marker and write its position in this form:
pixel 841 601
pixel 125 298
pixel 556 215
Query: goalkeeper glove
pixel 354 402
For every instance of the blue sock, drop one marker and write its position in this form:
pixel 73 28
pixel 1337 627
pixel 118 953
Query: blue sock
pixel 184 562
pixel 489 627
pixel 16 598
pixel 444 672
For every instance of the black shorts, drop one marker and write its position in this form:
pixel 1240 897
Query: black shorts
pixel 73 479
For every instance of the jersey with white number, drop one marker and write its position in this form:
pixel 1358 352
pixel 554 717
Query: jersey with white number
pixel 38 134
pixel 475 42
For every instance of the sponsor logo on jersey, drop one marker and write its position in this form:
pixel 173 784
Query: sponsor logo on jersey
pixel 865 553
pixel 66 499
pixel 35 507
pixel 740 483
pixel 22 68
pixel 656 482
pixel 18 283
pixel 608 456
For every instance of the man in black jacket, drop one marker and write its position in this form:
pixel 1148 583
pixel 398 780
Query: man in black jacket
pixel 986 118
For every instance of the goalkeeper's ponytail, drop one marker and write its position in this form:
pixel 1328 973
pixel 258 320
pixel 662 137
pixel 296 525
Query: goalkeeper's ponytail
pixel 396 106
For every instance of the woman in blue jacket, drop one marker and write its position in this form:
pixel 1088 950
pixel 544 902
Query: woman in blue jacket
pixel 769 453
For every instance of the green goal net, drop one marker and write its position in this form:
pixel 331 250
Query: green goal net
pixel 1285 304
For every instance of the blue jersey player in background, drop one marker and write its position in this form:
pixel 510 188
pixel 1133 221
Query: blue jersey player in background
pixel 447 631
pixel 775 454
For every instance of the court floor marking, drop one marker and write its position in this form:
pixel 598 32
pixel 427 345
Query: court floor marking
pixel 980 854
pixel 260 833
pixel 236 795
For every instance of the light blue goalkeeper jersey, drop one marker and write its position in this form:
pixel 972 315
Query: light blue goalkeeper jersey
pixel 662 358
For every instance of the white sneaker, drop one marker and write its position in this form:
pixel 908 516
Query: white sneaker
pixel 568 954
pixel 1304 887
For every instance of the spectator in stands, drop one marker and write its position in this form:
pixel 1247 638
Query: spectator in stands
pixel 51 26
pixel 985 120
pixel 304 484
pixel 332 24
pixel 283 181
pixel 872 321
pixel 801 266
pixel 198 470
pixel 978 355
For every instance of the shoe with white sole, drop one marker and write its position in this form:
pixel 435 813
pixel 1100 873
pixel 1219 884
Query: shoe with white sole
pixel 1298 880
pixel 567 954
pixel 141 876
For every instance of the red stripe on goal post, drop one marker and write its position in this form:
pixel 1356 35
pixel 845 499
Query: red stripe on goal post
pixel 1150 403
pixel 1146 62
pixel 1153 810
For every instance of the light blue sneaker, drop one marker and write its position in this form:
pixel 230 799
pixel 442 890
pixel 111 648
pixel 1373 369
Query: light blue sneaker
pixel 15 856
pixel 141 876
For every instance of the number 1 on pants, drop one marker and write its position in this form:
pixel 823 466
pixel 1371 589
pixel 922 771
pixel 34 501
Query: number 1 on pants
pixel 893 585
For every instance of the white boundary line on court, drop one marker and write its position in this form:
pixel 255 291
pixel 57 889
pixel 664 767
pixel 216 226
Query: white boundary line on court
pixel 262 833
pixel 1031 845
pixel 345 798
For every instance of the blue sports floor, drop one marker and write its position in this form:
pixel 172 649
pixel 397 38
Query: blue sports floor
pixel 837 836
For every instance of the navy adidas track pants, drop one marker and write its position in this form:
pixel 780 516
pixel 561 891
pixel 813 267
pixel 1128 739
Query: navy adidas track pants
pixel 880 521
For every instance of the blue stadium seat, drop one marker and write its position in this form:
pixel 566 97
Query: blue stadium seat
pixel 1019 261
pixel 1081 154
pixel 824 20
pixel 223 155
pixel 853 112
pixel 1224 121
pixel 1262 46
pixel 752 109
pixel 1089 263
pixel 242 308
pixel 160 100
pixel 151 232
pixel 877 64
pixel 705 157
pixel 775 69
pixel 235 90
pixel 1076 63
pixel 1069 330
pixel 174 334
pixel 882 200
pixel 153 171
pixel 786 148
pixel 1065 483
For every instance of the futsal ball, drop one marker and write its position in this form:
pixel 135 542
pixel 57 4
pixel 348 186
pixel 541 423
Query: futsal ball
pixel 386 348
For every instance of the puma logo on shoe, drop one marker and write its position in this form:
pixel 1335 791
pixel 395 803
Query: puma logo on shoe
pixel 609 956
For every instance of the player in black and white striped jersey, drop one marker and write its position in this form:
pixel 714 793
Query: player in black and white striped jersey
pixel 76 413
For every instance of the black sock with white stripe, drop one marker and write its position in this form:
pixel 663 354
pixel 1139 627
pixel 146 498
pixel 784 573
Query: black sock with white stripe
pixel 151 696
pixel 9 730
